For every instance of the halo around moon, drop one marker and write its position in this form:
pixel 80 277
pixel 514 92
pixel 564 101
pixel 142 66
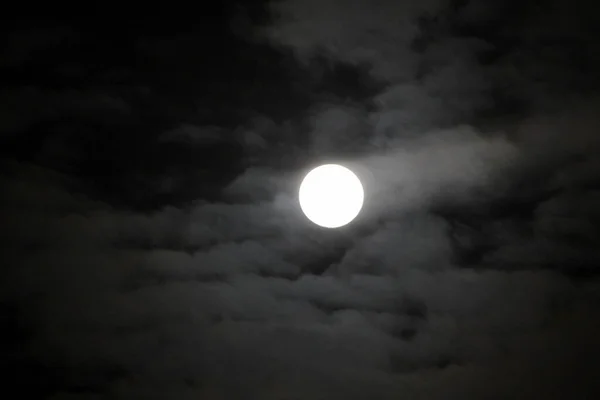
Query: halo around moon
pixel 331 196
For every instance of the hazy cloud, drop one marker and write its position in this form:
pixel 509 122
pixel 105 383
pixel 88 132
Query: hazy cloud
pixel 179 265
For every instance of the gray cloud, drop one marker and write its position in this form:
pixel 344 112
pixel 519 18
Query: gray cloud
pixel 379 34
pixel 158 314
pixel 460 279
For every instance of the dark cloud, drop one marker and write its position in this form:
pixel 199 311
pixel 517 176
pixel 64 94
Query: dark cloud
pixel 152 243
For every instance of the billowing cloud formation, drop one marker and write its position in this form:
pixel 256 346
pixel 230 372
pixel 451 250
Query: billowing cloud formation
pixel 113 292
pixel 461 279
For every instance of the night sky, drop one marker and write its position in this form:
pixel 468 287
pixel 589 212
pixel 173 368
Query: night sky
pixel 152 244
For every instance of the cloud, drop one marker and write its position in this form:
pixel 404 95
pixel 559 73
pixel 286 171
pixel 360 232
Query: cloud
pixel 379 33
pixel 185 322
pixel 458 165
pixel 461 278
pixel 26 106
pixel 193 135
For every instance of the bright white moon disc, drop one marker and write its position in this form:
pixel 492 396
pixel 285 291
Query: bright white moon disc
pixel 331 196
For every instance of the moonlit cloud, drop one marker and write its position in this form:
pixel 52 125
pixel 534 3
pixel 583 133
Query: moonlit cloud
pixel 153 246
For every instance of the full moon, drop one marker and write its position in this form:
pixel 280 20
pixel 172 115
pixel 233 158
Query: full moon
pixel 331 196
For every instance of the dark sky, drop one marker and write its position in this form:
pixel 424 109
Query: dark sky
pixel 152 242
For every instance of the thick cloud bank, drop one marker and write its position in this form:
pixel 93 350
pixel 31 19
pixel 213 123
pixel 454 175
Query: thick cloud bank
pixel 155 249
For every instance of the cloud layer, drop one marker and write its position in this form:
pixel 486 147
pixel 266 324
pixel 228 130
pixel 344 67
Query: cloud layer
pixel 154 249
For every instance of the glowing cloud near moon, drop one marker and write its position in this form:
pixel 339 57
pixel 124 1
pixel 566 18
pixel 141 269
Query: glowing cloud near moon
pixel 331 196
